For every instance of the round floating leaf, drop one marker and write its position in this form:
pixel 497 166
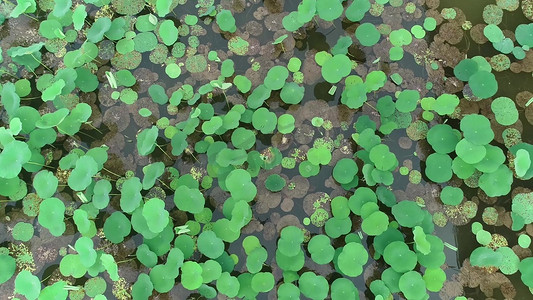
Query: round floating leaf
pixel 328 10
pixel 407 213
pixel 225 21
pixel 45 184
pixel 275 183
pixel 483 84
pixel 81 176
pixel 190 200
pixel 276 77
pixel 439 167
pixel 465 69
pixel 313 286
pixel 28 285
pixel 469 152
pixel 7 267
pixel 443 138
pixel 497 183
pixel 116 227
pixel 352 259
pixel 12 157
pixel 367 34
pixel 524 34
pixel 210 245
pixel 336 68
pixel 228 285
pixel 399 257
pixel 23 231
pixel 155 214
pixel 522 162
pixel 451 195
pixel 51 216
pixel 262 282
pixel 476 129
pixel 345 170
pixel 321 250
pixel 191 275
pixel 412 285
pixel 504 111
pixel 375 224
pixel 292 93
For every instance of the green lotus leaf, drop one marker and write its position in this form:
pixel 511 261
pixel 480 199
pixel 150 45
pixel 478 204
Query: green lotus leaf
pixel 162 278
pixel 264 120
pixel 352 259
pixel 101 191
pixel 288 291
pixel 321 250
pixel 438 167
pixel 45 184
pixel 367 34
pixel 190 200
pixel 262 282
pixel 497 183
pixel 168 32
pixel 375 224
pixel 116 227
pixel 451 195
pixel 336 68
pixel 522 205
pixel 51 216
pixel 130 195
pixel 400 37
pixel 399 257
pixel 357 10
pixel 28 285
pixel 146 140
pixel 407 101
pixel 328 10
pixel 483 84
pixel 191 275
pixel 407 213
pixel 289 243
pixel 443 138
pixel 157 218
pixel 313 286
pixel 151 173
pixel 22 231
pixel 494 157
pixel 10 99
pixel 228 285
pixel 12 157
pixel 522 162
pixel 7 267
pixel 84 247
pixel 255 260
pixel 524 33
pixel 485 257
pixel 98 29
pixel 319 156
pixel 276 78
pixel 143 287
pixel 345 170
pixel 292 93
pixel 469 152
pixel 81 176
pixel 242 83
pixel 382 158
pixel 354 96
pixel 375 80
pixel 526 271
pixel 412 285
pixel 225 21
pixel 504 111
